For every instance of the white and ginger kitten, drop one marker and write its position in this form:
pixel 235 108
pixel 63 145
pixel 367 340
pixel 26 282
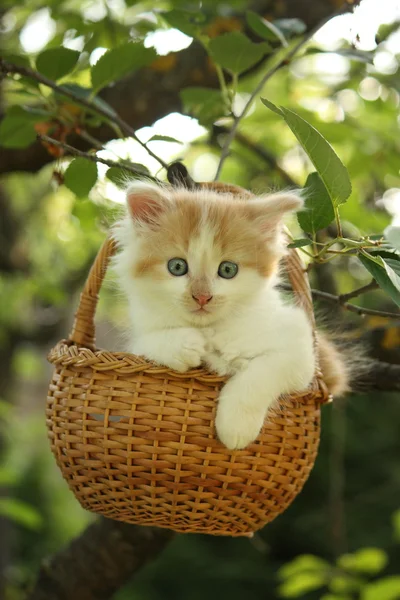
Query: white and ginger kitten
pixel 199 269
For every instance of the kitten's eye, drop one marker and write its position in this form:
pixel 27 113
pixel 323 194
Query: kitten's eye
pixel 178 266
pixel 228 269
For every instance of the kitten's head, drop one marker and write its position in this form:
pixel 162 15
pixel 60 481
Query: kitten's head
pixel 198 256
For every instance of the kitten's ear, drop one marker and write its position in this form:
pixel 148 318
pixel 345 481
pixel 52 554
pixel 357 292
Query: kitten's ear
pixel 269 211
pixel 145 201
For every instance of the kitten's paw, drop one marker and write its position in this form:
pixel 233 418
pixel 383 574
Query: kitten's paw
pixel 187 350
pixel 239 364
pixel 179 349
pixel 237 426
pixel 218 364
pixel 228 348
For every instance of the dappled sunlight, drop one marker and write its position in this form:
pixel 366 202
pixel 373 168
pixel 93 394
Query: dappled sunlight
pixel 165 41
pixel 37 31
pixel 370 89
pixel 184 129
pixel 360 28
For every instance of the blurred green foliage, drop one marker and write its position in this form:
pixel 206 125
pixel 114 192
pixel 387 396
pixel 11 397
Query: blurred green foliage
pixel 60 214
pixel 350 577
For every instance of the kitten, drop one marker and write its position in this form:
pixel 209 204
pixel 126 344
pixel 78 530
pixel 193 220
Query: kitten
pixel 200 271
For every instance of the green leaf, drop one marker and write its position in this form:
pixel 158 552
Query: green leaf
pixel 20 512
pixel 357 55
pixel 164 138
pixel 118 176
pixel 187 22
pixel 265 29
pixel 86 212
pixel 392 268
pixel 272 107
pixel 17 59
pixel 17 130
pixel 290 27
pixel 329 166
pixel 57 62
pixel 80 176
pixel 366 560
pixel 385 271
pixel 301 584
pixel 260 26
pixel 392 234
pixel 351 54
pixel 29 113
pixel 319 212
pixel 385 30
pixel 121 176
pixel 86 94
pixel 387 588
pixel 342 584
pixel 384 251
pixel 236 52
pixel 78 90
pixel 335 597
pixel 302 564
pixel 204 104
pixel 120 61
pixel 299 243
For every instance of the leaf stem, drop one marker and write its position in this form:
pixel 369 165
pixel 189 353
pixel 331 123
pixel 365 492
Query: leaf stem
pixel 349 245
pixel 235 83
pixel 284 61
pixel 223 86
pixel 338 223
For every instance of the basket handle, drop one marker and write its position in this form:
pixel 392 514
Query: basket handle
pixel 300 284
pixel 83 331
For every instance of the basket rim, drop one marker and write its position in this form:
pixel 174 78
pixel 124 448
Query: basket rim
pixel 69 354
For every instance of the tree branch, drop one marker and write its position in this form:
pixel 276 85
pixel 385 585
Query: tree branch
pixel 91 157
pixel 154 91
pixel 352 307
pixel 97 563
pixel 8 68
pixel 341 301
pixel 372 285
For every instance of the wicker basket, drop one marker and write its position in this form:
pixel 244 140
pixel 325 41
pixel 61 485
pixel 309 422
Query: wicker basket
pixel 136 441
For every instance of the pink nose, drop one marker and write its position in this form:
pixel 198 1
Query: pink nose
pixel 202 299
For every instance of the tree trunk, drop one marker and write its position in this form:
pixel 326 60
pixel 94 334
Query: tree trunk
pixel 99 562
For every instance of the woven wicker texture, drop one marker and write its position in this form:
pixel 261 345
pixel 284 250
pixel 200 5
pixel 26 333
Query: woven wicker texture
pixel 136 441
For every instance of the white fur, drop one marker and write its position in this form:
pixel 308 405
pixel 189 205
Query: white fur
pixel 250 333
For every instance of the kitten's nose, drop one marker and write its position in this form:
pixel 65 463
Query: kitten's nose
pixel 202 299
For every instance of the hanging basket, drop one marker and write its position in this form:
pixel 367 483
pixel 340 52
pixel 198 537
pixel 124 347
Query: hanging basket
pixel 136 441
